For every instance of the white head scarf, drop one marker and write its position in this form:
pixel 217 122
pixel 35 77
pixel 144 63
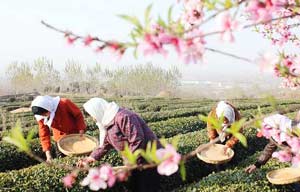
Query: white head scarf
pixel 103 111
pixel 226 110
pixel 50 104
pixel 281 122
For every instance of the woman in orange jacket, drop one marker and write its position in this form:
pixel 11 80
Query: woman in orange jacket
pixel 230 114
pixel 59 114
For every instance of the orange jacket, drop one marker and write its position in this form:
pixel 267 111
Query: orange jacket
pixel 68 119
pixel 213 133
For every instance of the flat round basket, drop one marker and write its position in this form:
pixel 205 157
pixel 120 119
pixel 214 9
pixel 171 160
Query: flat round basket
pixel 284 176
pixel 215 154
pixel 75 144
pixel 21 110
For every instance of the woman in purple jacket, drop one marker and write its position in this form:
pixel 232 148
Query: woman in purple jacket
pixel 118 126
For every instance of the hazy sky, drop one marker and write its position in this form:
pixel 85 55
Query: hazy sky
pixel 23 38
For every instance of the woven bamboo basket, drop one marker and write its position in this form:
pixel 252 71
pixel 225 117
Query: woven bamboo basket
pixel 284 176
pixel 75 144
pixel 215 154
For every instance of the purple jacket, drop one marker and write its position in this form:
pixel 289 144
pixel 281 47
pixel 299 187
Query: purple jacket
pixel 128 127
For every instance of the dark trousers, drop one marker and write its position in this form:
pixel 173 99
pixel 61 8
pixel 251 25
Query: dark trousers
pixel 58 153
pixel 296 187
pixel 145 181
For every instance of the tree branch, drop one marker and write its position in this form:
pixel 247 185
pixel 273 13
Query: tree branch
pixel 253 24
pixel 67 33
pixel 229 54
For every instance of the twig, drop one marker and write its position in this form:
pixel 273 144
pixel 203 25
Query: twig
pixel 252 25
pixel 229 54
pixel 60 165
pixel 65 32
pixel 271 20
pixel 213 16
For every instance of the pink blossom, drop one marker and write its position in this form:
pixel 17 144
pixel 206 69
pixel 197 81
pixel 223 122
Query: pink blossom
pixel 165 38
pixel 287 61
pixel 193 13
pixel 277 127
pixel 294 143
pixel 170 160
pixel 227 25
pixel 71 40
pixel 282 156
pixel 260 11
pixel 114 46
pixel 296 161
pixel 193 51
pixel 122 176
pixel 275 133
pixel 117 49
pixel 69 180
pixel 285 37
pixel 88 40
pixel 266 61
pixel 193 47
pixel 107 174
pixel 266 131
pixel 94 180
pixel 151 44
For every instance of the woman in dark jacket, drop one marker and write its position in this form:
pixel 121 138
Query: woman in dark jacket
pixel 280 122
pixel 118 126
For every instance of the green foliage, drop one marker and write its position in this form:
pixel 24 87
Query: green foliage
pixel 149 154
pixel 44 178
pixel 182 170
pixel 147 17
pixel 237 180
pixel 17 138
pixel 131 157
pixel 12 158
pixel 235 131
pixel 175 126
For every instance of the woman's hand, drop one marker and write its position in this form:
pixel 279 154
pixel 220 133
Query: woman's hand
pixel 81 132
pixel 226 150
pixel 85 161
pixel 49 157
pixel 250 169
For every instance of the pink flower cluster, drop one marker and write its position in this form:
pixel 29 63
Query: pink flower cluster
pixel 227 26
pixel 193 12
pixel 100 178
pixel 116 48
pixel 279 128
pixel 280 31
pixel 190 48
pixel 261 11
pixel 69 180
pixel 170 160
pixel 289 69
pixel 276 126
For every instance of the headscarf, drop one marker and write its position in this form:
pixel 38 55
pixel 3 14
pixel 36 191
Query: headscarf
pixel 50 104
pixel 282 123
pixel 226 110
pixel 103 111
